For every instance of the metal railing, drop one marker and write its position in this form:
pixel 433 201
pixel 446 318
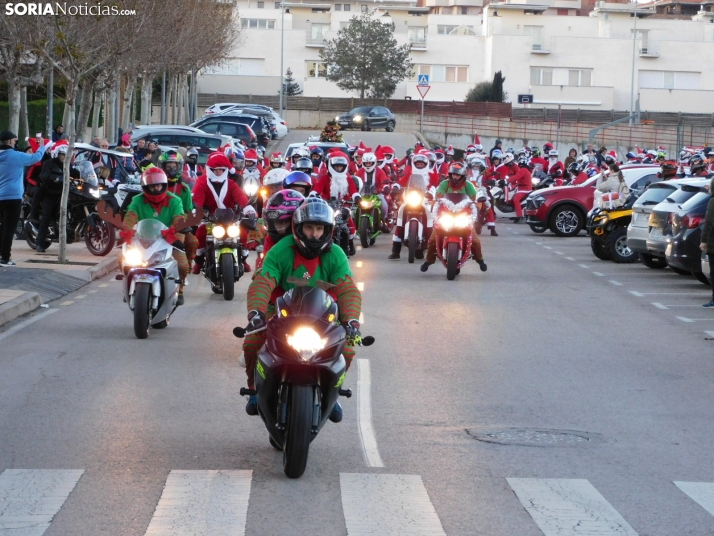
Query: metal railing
pixel 315 41
pixel 418 43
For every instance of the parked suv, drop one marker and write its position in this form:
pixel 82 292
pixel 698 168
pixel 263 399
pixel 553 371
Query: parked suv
pixel 368 117
pixel 221 123
pixel 215 124
pixel 564 209
pixel 683 245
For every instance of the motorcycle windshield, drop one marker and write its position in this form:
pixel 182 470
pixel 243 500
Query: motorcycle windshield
pixel 87 174
pixel 224 216
pixel 454 203
pixel 148 232
pixel 369 189
pixel 418 182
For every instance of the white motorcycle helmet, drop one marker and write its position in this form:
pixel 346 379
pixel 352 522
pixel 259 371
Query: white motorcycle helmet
pixel 508 158
pixel 553 154
pixel 273 181
pixel 337 166
pixel 369 161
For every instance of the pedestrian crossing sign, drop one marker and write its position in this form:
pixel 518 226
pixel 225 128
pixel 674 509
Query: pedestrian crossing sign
pixel 423 80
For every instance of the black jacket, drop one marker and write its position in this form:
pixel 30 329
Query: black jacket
pixel 51 176
pixel 708 231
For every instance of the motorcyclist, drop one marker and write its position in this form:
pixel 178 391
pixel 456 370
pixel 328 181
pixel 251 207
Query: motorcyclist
pixel 300 152
pixel 192 167
pixel 299 181
pixel 276 161
pixel 356 160
pixel 556 170
pixel 237 159
pixel 537 160
pixel 155 202
pixel 456 183
pixel 632 158
pixel 668 170
pixel 216 191
pixel 317 155
pixel 273 182
pixel 373 180
pixel 51 181
pixel 335 182
pixel 251 165
pixel 308 254
pixel 698 167
pixel 518 177
pixel 477 168
pixel 278 216
pixel 449 154
pixel 576 172
pixel 304 164
pixel 172 164
pixel 389 165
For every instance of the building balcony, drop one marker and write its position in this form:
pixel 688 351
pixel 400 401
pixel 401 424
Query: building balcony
pixel 417 43
pixel 647 52
pixel 539 49
pixel 318 42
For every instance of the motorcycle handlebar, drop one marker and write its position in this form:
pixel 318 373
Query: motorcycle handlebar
pixel 240 332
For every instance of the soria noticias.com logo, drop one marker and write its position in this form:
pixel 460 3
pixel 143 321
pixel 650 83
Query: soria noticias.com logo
pixel 63 8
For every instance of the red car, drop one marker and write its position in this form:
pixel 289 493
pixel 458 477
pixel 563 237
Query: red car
pixel 564 209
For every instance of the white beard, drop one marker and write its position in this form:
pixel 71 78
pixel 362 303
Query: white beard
pixel 338 185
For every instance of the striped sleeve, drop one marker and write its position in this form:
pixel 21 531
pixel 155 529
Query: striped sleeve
pixel 259 292
pixel 131 218
pixel 349 299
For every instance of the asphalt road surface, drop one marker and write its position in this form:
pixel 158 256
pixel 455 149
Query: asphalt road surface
pixel 553 394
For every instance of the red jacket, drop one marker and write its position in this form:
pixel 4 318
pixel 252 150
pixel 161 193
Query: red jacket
pixel 434 179
pixel 380 178
pixel 322 186
pixel 556 170
pixel 203 198
pixel 540 160
pixel 581 178
pixel 520 177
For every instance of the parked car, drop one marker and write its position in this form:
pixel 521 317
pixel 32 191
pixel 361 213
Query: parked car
pixel 139 129
pixel 638 230
pixel 281 125
pixel 660 223
pixel 705 267
pixel 258 126
pixel 564 209
pixel 683 245
pixel 203 142
pixel 219 125
pixel 218 108
pixel 367 118
pixel 259 111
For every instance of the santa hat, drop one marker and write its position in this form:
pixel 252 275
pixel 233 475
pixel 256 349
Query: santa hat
pixel 126 140
pixel 335 151
pixel 379 153
pixel 439 151
pixel 362 151
pixel 362 146
pixel 477 140
pixel 251 154
pixel 450 149
pixel 613 154
pixel 388 150
pixel 219 160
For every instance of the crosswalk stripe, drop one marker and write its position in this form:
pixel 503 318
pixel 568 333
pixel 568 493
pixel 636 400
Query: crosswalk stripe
pixel 701 493
pixel 30 498
pixel 197 503
pixel 569 506
pixel 388 504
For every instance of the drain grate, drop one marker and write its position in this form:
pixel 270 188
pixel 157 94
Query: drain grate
pixel 535 438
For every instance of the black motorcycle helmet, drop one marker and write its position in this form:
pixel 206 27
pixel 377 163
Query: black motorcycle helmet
pixel 457 175
pixel 303 164
pixel 574 168
pixel 696 164
pixel 317 211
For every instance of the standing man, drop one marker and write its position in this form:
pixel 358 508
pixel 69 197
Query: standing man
pixel 707 243
pixel 58 133
pixel 12 164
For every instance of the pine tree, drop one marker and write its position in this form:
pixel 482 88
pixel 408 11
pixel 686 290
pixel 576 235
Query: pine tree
pixel 290 87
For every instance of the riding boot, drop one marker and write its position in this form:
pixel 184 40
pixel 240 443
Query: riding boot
pixel 351 247
pixel 396 249
pixel 493 231
pixel 198 264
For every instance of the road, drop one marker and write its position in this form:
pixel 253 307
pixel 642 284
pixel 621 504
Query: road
pixel 553 394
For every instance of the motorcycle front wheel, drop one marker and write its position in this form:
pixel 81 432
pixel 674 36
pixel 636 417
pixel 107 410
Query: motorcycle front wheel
pixel 413 231
pixel 228 276
pixel 364 234
pixel 452 261
pixel 298 431
pixel 142 310
pixel 100 239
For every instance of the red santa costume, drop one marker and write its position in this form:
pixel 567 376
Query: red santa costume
pixel 336 183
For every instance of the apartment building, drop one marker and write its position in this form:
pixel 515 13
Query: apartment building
pixel 542 48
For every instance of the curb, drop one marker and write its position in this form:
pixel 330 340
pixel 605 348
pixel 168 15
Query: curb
pixel 103 268
pixel 23 304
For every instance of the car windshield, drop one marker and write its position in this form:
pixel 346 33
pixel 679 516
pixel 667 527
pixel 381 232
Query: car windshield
pixel 696 202
pixel 359 110
pixel 655 194
pixel 681 196
pixel 148 232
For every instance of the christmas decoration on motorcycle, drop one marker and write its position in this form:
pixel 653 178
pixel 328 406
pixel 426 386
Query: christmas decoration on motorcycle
pixel 331 133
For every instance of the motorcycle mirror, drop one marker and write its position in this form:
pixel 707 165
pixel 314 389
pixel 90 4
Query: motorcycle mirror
pixel 368 341
pixel 239 332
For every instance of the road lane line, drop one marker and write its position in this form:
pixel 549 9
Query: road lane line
pixel 361 318
pixel 599 274
pixel 103 285
pixel 359 264
pixel 202 502
pixel 570 258
pixel 684 319
pixel 638 294
pixel 616 283
pixel 569 506
pixel 659 305
pixel 81 296
pixel 366 430
pixel 30 498
pixel 701 493
pixel 709 333
pixel 25 323
pixel 360 286
pixel 558 252
pixel 586 266
pixel 388 504
pixel 547 247
pixel 66 303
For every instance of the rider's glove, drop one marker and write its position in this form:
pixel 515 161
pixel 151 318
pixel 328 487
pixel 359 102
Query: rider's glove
pixel 256 320
pixel 354 337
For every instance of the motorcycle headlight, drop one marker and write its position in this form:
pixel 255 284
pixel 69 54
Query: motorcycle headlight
pixel 233 231
pixel 414 199
pixel 159 256
pixel 538 200
pixel 94 192
pixel 218 231
pixel 307 342
pixel 365 204
pixel 462 220
pixel 250 189
pixel 357 118
pixel 446 221
pixel 133 257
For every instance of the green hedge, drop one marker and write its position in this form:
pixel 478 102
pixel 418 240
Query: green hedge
pixel 36 117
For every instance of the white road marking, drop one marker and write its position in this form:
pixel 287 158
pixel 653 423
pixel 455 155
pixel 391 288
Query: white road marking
pixel 388 504
pixel 569 506
pixel 710 333
pixel 586 266
pixel 659 305
pixel 360 286
pixel 81 297
pixel 25 323
pixel 675 293
pixel 616 283
pixel 539 243
pixel 638 294
pixel 30 498
pixel 547 247
pixel 65 303
pixel 92 291
pixel 103 285
pixel 202 502
pixel 700 492
pixel 558 253
pixel 366 430
pixel 361 318
pixel 359 264
pixel 599 274
pixel 684 319
pixel 570 258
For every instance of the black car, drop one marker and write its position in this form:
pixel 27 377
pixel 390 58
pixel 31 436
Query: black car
pixel 229 123
pixel 367 118
pixel 683 246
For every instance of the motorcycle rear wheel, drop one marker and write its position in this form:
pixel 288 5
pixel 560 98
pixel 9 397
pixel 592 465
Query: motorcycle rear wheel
pixel 228 276
pixel 364 233
pixel 452 261
pixel 100 240
pixel 142 310
pixel 413 230
pixel 298 431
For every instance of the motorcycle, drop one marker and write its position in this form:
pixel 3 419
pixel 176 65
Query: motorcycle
pixel 82 220
pixel 393 195
pixel 415 223
pixel 368 216
pixel 341 232
pixel 453 225
pixel 300 370
pixel 251 187
pixel 224 252
pixel 149 272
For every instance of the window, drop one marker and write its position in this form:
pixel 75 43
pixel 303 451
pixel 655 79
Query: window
pixel 320 10
pixel 338 7
pixel 261 5
pixel 562 12
pixel 277 5
pixel 251 67
pixel 316 69
pixel 464 10
pixel 346 7
pixel 417 34
pixel 260 24
pixel 344 24
pixel 318 31
pixel 365 9
pixel 536 33
pixel 442 73
pixel 642 39
pixel 442 29
pixel 548 76
pixel 669 80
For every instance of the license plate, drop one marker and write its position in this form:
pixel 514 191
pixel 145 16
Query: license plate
pixel 642 216
pixel 656 233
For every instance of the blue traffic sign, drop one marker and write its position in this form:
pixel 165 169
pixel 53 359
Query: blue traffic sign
pixel 423 80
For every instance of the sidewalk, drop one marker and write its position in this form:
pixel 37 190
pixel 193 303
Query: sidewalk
pixel 38 277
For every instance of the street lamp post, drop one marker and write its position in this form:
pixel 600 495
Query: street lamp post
pixel 634 50
pixel 282 53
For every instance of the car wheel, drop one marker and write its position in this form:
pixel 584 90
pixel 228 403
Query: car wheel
pixel 566 221
pixel 390 126
pixel 365 127
pixel 651 261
